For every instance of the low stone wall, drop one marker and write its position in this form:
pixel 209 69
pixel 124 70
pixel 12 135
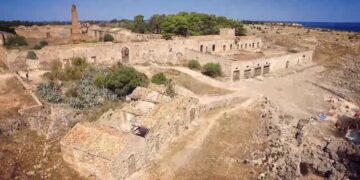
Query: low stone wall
pixel 29 109
pixel 274 63
pixel 219 102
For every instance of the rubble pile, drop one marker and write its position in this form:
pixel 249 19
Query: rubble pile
pixel 347 75
pixel 304 147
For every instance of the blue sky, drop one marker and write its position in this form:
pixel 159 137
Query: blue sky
pixel 282 10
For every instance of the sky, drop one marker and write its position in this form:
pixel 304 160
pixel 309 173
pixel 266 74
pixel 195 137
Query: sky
pixel 273 10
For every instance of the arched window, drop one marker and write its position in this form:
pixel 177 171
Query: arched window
pixel 201 48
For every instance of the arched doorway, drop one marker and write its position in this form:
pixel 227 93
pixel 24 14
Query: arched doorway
pixel 125 54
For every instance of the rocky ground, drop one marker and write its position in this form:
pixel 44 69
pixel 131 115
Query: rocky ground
pixel 310 150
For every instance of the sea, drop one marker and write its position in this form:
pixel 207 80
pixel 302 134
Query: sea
pixel 354 27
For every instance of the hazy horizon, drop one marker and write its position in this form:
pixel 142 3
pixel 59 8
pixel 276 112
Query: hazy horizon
pixel 261 10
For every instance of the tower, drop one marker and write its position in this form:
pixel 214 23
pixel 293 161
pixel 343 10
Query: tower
pixel 75 25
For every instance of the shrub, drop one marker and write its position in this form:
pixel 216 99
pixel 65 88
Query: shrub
pixel 100 80
pixel 170 90
pixel 31 55
pixel 76 70
pixel 87 95
pixel 212 69
pixel 194 64
pixel 15 41
pixel 43 43
pixel 55 72
pixel 123 80
pixel 159 78
pixel 37 47
pixel 167 36
pixel 108 38
pixel 50 92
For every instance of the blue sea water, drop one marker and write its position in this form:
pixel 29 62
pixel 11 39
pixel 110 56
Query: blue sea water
pixel 355 27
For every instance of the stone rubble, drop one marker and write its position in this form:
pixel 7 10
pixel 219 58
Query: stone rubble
pixel 295 151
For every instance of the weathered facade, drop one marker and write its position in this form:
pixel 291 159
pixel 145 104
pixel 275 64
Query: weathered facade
pixel 124 140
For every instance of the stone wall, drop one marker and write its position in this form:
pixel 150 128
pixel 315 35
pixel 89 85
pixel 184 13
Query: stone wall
pixel 270 63
pixel 44 32
pixel 154 51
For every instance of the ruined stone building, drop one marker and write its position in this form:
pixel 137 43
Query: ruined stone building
pixel 240 57
pixel 124 140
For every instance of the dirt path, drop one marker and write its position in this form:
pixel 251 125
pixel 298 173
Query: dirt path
pixel 167 167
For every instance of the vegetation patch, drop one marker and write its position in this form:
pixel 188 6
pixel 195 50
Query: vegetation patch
pixel 194 64
pixel 108 38
pixel 123 80
pixel 51 92
pixel 15 41
pixel 41 45
pixel 212 69
pixel 31 55
pixel 159 78
pixel 183 23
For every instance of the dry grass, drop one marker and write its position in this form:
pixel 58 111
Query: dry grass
pixel 13 97
pixel 194 85
pixel 221 155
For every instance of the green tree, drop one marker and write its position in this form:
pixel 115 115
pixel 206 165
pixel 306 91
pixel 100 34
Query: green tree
pixel 123 80
pixel 155 23
pixel 139 24
pixel 108 38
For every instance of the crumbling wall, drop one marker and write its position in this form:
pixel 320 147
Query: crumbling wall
pixel 274 63
pixel 172 119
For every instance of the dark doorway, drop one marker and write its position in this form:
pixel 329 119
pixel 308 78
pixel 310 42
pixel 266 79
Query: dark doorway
pixel 247 74
pixel 287 65
pixel 236 75
pixel 192 114
pixel 257 71
pixel 224 48
pixel 213 47
pixel 201 48
pixel 266 69
pixel 125 54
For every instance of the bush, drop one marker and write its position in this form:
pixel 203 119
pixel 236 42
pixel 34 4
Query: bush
pixel 86 94
pixel 212 70
pixel 76 70
pixel 50 92
pixel 15 41
pixel 194 64
pixel 43 43
pixel 108 38
pixel 123 80
pixel 37 47
pixel 159 78
pixel 170 90
pixel 31 55
pixel 167 36
pixel 55 72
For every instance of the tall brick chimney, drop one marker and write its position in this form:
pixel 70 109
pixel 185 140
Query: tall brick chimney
pixel 75 25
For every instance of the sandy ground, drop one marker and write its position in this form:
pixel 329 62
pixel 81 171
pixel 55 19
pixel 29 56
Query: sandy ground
pixel 12 96
pixel 215 149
